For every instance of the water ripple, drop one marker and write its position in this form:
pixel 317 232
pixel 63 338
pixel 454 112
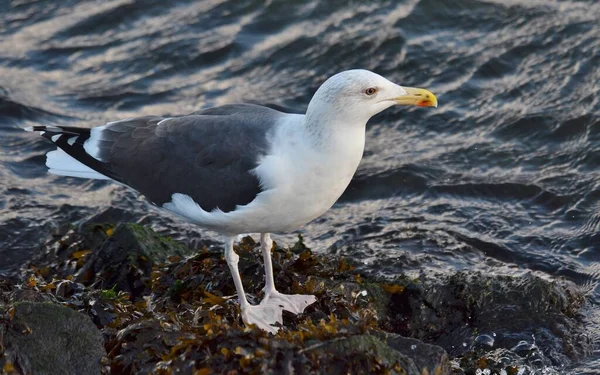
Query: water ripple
pixel 503 177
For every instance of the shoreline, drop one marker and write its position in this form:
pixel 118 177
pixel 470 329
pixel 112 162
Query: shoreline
pixel 156 306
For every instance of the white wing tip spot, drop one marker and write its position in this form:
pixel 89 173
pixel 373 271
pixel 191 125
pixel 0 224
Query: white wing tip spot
pixel 163 120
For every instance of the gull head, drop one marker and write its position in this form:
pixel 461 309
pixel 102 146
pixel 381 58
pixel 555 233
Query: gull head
pixel 358 95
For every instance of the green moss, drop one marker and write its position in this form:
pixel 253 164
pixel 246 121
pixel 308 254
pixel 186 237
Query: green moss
pixel 109 293
pixel 156 247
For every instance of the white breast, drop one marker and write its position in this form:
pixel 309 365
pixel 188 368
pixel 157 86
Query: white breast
pixel 301 180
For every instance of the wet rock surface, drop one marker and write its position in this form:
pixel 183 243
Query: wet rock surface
pixel 156 308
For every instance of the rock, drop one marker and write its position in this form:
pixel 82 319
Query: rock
pixel 460 312
pixel 399 355
pixel 188 318
pixel 113 215
pixel 45 338
pixel 363 354
pixel 428 359
pixel 125 259
pixel 28 295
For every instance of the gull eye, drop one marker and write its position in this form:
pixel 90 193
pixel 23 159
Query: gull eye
pixel 371 91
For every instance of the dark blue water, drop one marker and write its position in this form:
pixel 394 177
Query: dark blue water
pixel 503 177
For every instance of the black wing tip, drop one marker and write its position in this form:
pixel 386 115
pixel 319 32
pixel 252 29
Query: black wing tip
pixel 71 140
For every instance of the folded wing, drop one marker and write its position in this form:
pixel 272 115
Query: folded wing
pixel 197 155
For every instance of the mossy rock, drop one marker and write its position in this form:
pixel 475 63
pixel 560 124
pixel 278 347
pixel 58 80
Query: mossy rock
pixel 125 260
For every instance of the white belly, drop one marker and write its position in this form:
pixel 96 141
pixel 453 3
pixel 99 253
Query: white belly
pixel 306 195
pixel 303 181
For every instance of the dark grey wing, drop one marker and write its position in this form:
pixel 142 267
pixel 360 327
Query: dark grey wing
pixel 208 156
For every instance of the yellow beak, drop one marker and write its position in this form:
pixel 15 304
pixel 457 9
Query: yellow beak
pixel 418 97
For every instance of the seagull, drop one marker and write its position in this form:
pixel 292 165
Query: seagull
pixel 240 168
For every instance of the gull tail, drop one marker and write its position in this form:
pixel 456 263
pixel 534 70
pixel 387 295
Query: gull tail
pixel 71 158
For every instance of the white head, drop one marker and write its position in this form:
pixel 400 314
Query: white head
pixel 357 95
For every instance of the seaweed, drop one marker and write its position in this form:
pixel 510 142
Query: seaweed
pixel 168 312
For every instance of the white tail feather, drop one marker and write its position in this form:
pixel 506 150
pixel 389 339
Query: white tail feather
pixel 60 163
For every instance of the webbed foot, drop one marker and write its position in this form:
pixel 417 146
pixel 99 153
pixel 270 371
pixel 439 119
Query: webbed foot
pixel 263 316
pixel 294 303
